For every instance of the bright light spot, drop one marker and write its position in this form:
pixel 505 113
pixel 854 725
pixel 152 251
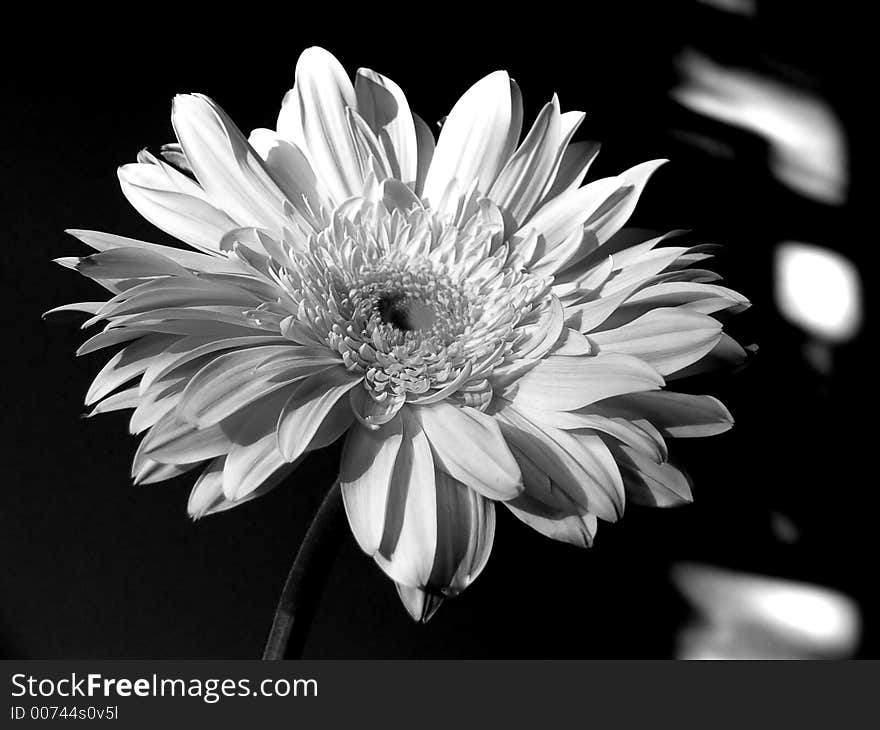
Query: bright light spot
pixel 752 616
pixel 819 290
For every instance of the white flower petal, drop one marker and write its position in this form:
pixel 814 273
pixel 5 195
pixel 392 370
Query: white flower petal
pixel 425 144
pixel 573 167
pixel 186 217
pixel 376 410
pixel 615 212
pixel 726 355
pixel 558 217
pixel 310 403
pixel 126 364
pixel 649 483
pixel 579 465
pixel 465 535
pixel 475 142
pixel 233 380
pixel 383 106
pixel 188 259
pixel 678 415
pixel 290 169
pixel 640 436
pixel 323 93
pixel 365 474
pixel 667 339
pixel 409 540
pixel 524 177
pixel 227 167
pixel 248 466
pixel 575 529
pixel 421 605
pixel 568 383
pixel 467 444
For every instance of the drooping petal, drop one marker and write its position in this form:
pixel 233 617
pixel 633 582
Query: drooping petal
pixel 581 466
pixel 575 529
pixel 465 535
pixel 649 483
pixel 409 540
pixel 365 475
pixel 467 444
pixel 421 605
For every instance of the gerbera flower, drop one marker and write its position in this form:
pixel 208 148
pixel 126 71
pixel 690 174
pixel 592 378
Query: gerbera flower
pixel 466 315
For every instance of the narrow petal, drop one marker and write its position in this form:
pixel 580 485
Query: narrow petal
pixel 188 259
pixel 126 364
pixel 425 144
pixel 522 181
pixel 183 216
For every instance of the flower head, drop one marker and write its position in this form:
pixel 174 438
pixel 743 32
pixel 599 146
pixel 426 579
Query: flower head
pixel 469 317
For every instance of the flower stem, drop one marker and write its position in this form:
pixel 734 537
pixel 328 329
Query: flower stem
pixel 305 582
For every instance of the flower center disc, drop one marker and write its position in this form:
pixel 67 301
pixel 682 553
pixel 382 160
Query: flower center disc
pixel 405 313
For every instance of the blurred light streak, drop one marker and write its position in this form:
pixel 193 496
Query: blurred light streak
pixel 807 143
pixel 818 290
pixel 745 616
pixel 736 7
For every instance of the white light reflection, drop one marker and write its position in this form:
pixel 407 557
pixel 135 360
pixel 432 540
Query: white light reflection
pixel 806 138
pixel 818 290
pixel 744 616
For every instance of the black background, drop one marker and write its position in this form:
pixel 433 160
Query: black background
pixel 95 568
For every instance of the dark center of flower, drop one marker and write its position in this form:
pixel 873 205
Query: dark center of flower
pixel 405 313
